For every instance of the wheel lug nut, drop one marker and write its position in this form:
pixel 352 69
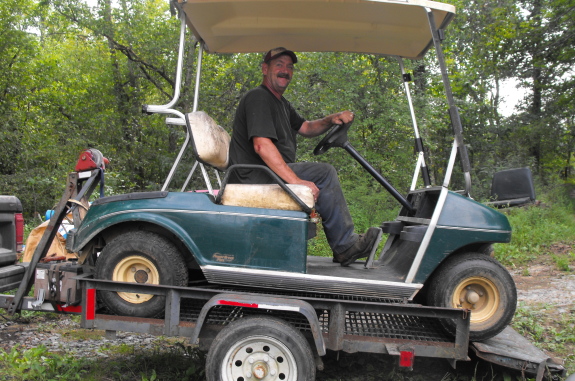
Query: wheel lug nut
pixel 266 358
pixel 133 269
pixel 251 360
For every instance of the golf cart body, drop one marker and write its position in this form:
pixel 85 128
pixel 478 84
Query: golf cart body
pixel 242 245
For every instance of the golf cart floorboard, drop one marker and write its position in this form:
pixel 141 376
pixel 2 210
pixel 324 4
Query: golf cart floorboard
pixel 326 267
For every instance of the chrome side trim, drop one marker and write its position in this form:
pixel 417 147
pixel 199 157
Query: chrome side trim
pixel 201 212
pixel 472 229
pixel 309 282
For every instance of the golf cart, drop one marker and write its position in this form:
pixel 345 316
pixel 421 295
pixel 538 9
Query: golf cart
pixel 255 236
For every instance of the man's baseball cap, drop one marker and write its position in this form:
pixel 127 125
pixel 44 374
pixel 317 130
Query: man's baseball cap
pixel 276 52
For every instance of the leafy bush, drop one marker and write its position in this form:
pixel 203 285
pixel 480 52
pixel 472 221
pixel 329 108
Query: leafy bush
pixel 39 364
pixel 535 228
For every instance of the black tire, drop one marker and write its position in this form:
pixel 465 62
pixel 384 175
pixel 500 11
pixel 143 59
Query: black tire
pixel 140 257
pixel 263 344
pixel 479 283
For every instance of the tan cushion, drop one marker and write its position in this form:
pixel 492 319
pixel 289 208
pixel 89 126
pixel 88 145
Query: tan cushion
pixel 211 141
pixel 269 196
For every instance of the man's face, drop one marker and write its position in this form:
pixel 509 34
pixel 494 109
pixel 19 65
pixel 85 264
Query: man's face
pixel 278 73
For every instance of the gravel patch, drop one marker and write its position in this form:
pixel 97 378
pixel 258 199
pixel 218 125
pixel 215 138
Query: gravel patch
pixel 55 336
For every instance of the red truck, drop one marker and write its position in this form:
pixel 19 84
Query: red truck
pixel 11 242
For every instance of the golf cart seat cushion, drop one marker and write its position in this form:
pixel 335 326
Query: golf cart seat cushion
pixel 269 196
pixel 512 187
pixel 210 141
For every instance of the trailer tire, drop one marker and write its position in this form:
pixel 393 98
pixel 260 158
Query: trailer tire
pixel 140 257
pixel 261 346
pixel 479 283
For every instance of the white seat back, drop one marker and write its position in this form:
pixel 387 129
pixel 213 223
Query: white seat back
pixel 211 142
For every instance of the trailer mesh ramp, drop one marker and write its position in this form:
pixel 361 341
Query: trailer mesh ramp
pixel 357 323
pixel 392 326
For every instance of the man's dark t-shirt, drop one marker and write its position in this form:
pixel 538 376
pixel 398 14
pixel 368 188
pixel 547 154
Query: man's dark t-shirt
pixel 261 114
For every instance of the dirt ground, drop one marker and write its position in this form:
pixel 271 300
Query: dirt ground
pixel 543 283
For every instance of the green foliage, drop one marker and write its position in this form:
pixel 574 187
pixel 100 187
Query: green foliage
pixel 126 364
pixel 562 262
pixel 74 76
pixel 536 228
pixel 39 364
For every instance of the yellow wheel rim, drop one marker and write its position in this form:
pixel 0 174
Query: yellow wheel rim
pixel 136 269
pixel 478 294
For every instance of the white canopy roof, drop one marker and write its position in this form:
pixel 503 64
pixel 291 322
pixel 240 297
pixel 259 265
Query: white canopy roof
pixel 388 27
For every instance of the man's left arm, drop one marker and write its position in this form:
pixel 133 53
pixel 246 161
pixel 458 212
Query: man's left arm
pixel 309 129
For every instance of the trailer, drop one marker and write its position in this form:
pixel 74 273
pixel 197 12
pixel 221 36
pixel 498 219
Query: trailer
pixel 157 262
pixel 204 314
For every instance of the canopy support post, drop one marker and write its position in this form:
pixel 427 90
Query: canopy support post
pixel 453 111
pixel 418 141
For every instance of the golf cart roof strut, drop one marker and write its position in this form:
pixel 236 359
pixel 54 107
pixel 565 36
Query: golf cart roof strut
pixel 418 141
pixel 180 118
pixel 453 111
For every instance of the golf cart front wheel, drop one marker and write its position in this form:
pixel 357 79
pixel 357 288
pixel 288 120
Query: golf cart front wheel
pixel 480 284
pixel 260 348
pixel 144 258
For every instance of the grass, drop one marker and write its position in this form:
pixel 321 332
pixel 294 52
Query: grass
pixel 120 363
pixel 39 364
pixel 550 330
pixel 544 233
pixel 536 229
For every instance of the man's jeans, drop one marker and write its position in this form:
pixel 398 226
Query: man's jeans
pixel 330 205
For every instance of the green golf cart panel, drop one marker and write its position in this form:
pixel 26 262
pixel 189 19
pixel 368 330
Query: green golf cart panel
pixel 269 239
pixel 462 221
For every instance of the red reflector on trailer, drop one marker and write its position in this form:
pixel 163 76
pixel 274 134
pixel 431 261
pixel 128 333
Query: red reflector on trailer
pixel 237 304
pixel 90 304
pixel 19 223
pixel 74 309
pixel 406 359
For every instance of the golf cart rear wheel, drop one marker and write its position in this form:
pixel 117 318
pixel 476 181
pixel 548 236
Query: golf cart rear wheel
pixel 140 257
pixel 477 283
pixel 260 348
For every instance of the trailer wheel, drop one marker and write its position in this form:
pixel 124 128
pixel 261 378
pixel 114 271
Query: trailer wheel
pixel 260 348
pixel 480 284
pixel 140 257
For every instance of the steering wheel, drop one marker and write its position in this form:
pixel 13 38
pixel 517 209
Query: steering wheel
pixel 336 137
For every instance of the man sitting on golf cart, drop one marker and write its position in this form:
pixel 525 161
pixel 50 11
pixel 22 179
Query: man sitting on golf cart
pixel 264 133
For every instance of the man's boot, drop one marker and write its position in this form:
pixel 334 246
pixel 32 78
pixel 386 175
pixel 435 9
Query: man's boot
pixel 360 249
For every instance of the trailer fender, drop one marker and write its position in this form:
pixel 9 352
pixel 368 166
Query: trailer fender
pixel 265 303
